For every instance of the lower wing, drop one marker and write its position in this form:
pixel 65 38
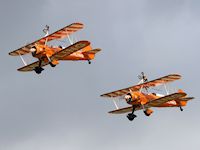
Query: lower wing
pixel 125 110
pixel 32 66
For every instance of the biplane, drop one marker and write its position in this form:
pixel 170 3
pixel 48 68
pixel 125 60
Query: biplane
pixel 51 55
pixel 140 97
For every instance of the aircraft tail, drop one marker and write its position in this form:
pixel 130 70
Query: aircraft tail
pixel 183 100
pixel 91 53
pixel 87 48
pixel 180 91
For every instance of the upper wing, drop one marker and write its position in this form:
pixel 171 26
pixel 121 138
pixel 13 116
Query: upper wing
pixel 62 33
pixel 69 50
pixel 152 103
pixel 23 50
pixel 156 82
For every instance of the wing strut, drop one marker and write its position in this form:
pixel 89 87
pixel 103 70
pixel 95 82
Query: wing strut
pixel 24 62
pixel 115 104
pixel 166 89
pixel 70 40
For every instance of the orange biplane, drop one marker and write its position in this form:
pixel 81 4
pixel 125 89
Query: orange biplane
pixel 46 54
pixel 140 97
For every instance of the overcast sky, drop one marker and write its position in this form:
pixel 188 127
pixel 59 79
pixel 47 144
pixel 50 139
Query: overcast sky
pixel 61 108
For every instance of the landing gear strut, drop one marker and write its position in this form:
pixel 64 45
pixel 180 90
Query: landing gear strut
pixel 39 69
pixel 131 116
pixel 51 64
pixel 181 109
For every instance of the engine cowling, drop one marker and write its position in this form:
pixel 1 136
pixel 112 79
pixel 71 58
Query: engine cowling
pixel 132 98
pixel 33 50
pixel 128 98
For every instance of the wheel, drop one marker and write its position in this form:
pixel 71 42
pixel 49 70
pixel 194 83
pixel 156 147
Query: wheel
pixel 148 112
pixel 145 112
pixel 89 62
pixel 131 116
pixel 38 70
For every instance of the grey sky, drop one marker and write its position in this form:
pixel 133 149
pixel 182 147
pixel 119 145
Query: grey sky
pixel 61 108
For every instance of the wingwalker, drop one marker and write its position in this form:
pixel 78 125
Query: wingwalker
pixel 140 97
pixel 51 55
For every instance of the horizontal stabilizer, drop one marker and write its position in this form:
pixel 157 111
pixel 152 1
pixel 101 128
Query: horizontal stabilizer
pixel 186 98
pixel 94 51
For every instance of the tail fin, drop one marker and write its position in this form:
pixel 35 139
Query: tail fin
pixel 183 100
pixel 180 91
pixel 91 53
pixel 87 48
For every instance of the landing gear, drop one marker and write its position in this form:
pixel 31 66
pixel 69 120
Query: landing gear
pixel 38 70
pixel 131 116
pixel 148 112
pixel 181 109
pixel 51 64
pixel 89 62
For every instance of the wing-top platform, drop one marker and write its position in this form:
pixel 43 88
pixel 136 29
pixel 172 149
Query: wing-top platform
pixel 152 83
pixel 57 56
pixel 60 34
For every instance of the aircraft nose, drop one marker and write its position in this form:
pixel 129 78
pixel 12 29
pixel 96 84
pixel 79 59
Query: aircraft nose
pixel 33 49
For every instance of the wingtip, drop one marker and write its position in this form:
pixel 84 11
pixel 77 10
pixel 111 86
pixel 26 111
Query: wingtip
pixel 102 95
pixel 176 74
pixel 79 24
pixel 84 41
pixel 11 54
